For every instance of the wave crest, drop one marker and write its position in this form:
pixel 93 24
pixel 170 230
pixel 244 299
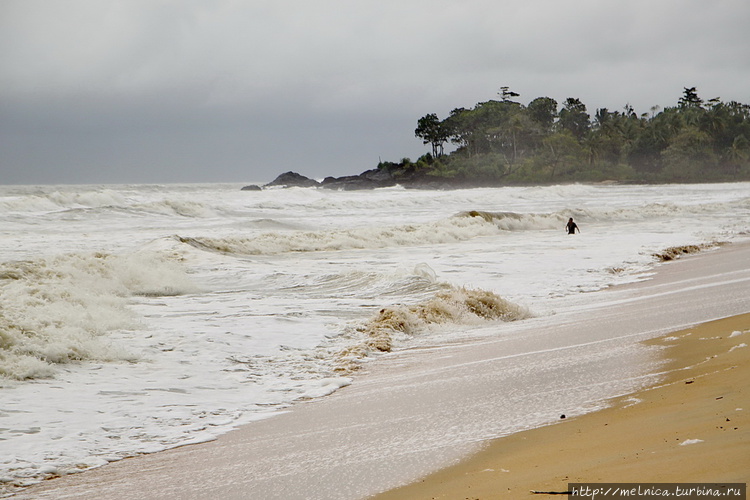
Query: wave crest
pixel 181 208
pixel 461 227
pixel 673 253
pixel 456 306
pixel 447 230
pixel 512 221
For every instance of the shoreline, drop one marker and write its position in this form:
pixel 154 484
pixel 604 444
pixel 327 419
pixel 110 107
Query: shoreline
pixel 698 414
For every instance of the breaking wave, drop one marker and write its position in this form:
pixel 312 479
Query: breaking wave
pixel 461 227
pixel 455 306
pixel 59 310
pixel 57 200
pixel 512 221
pixel 673 253
pixel 181 208
pixel 102 199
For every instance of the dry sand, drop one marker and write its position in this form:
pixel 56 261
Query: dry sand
pixel 692 427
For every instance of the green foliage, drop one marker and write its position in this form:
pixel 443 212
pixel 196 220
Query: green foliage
pixel 442 170
pixel 543 111
pixel 690 98
pixel 689 156
pixel 432 131
pixel 505 142
pixel 574 118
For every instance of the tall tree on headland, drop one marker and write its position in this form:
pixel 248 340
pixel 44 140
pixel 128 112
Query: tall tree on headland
pixel 543 111
pixel 574 118
pixel 506 94
pixel 432 131
pixel 690 98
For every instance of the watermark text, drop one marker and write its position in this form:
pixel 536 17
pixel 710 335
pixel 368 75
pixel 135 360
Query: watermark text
pixel 657 491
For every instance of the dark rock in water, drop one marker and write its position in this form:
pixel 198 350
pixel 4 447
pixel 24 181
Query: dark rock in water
pixel 369 179
pixel 293 179
pixel 383 176
pixel 410 177
pixel 252 187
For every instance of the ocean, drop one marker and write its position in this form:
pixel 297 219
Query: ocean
pixel 135 318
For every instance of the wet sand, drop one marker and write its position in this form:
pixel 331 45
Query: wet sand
pixel 693 426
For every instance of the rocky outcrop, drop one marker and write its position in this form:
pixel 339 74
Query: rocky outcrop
pixel 293 179
pixel 409 177
pixel 370 179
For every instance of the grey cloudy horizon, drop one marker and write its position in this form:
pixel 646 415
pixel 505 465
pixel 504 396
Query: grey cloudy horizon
pixel 137 91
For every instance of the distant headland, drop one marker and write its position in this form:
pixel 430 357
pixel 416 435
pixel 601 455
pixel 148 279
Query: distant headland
pixel 387 175
pixel 502 142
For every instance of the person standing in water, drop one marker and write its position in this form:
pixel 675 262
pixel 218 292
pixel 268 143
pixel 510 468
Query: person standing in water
pixel 572 227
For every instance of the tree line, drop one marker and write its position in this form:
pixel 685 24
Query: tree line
pixel 504 142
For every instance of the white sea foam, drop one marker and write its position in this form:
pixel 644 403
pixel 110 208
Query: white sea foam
pixel 265 297
pixel 183 208
pixel 56 200
pixel 59 310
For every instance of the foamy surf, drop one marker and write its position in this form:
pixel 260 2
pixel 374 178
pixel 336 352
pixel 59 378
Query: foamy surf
pixel 59 310
pixel 461 227
pixel 266 298
pixel 448 230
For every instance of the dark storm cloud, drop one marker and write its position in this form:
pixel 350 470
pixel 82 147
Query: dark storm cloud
pixel 157 91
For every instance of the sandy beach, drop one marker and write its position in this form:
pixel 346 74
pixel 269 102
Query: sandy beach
pixel 694 426
pixel 424 410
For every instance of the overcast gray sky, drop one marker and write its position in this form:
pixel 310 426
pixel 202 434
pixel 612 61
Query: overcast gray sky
pixel 141 91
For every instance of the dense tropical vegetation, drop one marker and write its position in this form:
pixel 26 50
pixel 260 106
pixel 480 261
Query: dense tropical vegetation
pixel 504 142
